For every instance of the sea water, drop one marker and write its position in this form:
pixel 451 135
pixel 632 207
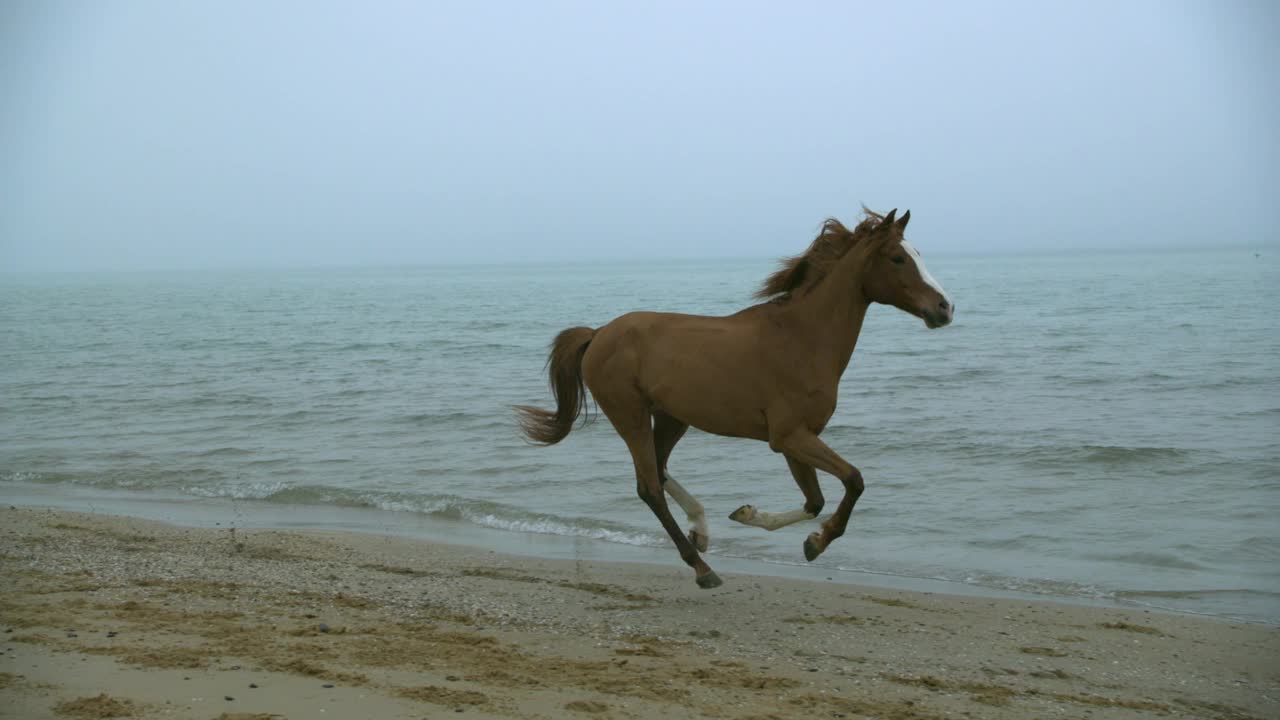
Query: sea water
pixel 1092 425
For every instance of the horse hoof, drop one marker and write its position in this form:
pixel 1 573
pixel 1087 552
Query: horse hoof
pixel 811 547
pixel 699 540
pixel 710 580
pixel 743 514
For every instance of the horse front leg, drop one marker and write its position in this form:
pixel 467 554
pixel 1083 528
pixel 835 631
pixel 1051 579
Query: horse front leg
pixel 808 448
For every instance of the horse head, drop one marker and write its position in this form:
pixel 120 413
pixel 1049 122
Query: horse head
pixel 895 275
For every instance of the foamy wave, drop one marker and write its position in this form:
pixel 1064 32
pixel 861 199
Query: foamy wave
pixel 1038 586
pixel 1236 603
pixel 239 491
pixel 22 477
pixel 499 517
pixel 1031 586
pixel 550 526
pixel 484 514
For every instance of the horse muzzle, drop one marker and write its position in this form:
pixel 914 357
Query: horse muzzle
pixel 939 316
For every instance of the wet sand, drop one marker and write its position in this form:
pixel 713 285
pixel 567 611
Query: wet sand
pixel 107 616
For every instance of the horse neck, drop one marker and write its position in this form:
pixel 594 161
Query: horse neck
pixel 833 313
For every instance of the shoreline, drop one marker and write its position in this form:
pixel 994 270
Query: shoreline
pixel 224 512
pixel 174 621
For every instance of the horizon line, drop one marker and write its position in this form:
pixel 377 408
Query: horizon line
pixel 579 260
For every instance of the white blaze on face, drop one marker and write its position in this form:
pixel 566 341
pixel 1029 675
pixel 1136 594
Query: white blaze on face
pixel 924 271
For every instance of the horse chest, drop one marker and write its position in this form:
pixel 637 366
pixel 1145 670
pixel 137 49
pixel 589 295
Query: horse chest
pixel 821 406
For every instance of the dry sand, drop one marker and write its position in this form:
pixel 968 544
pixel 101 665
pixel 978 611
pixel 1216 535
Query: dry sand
pixel 109 616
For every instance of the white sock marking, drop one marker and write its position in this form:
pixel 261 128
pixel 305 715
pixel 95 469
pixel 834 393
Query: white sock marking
pixel 773 521
pixel 688 503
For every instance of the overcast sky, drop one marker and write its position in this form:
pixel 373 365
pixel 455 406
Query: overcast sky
pixel 140 135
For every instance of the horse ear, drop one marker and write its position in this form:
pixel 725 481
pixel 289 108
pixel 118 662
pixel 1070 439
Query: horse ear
pixel 906 218
pixel 888 219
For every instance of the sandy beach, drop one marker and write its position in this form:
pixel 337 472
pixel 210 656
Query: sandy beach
pixel 107 616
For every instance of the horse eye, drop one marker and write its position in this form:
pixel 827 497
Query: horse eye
pixel 897 259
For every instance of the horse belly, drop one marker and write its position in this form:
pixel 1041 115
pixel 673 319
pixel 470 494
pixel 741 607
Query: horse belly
pixel 712 400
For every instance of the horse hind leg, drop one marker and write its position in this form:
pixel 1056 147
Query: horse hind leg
pixel 632 421
pixel 807 478
pixel 667 431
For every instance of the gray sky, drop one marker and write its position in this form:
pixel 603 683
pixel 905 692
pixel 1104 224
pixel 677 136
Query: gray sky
pixel 138 134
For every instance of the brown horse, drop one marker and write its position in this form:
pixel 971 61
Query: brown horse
pixel 770 372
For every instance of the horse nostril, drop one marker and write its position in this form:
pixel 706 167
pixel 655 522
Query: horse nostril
pixel 944 305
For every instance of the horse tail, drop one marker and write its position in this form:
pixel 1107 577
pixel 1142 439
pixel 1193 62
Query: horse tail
pixel 565 368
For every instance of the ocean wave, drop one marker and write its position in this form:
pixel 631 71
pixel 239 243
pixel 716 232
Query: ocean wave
pixel 348 393
pixel 238 491
pixel 1267 413
pixel 1248 604
pixel 1042 456
pixel 451 507
pixel 501 517
pixel 232 399
pixel 1194 593
pixel 938 377
pixel 486 325
pixel 272 462
pixel 24 476
pixel 526 469
pixel 1116 454
pixel 1089 382
pixel 223 452
pixel 116 479
pixel 1032 586
pixel 1053 457
pixel 1149 559
pixel 1231 382
pixel 45 398
pixel 1038 586
pixel 462 349
pixel 1069 347
pixel 549 525
pixel 454 418
pixel 1259 546
pixel 123 455
pixel 1017 542
pixel 290 416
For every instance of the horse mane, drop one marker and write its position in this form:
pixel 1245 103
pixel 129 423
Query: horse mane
pixel 803 272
